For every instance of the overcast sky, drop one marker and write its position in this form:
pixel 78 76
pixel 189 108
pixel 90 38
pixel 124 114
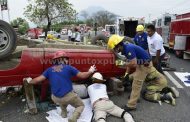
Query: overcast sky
pixel 126 8
pixel 136 8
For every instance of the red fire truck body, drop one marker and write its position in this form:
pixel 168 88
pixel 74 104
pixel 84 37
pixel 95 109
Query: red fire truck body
pixel 175 30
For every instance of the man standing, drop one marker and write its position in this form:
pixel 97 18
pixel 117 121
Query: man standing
pixel 101 103
pixel 155 46
pixel 59 77
pixel 78 35
pixel 69 34
pixel 139 59
pixel 73 35
pixel 141 37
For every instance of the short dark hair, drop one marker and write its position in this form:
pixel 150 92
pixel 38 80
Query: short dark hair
pixel 152 27
pixel 76 29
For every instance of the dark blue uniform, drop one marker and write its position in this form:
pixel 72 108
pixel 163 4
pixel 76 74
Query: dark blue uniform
pixel 132 51
pixel 141 40
pixel 60 81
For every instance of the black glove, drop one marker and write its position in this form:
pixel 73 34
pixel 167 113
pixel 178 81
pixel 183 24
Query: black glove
pixel 126 77
pixel 127 83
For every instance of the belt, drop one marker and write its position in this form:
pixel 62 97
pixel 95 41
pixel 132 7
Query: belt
pixel 106 99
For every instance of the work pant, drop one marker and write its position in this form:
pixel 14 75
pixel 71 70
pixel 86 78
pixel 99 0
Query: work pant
pixel 159 65
pixel 69 38
pixel 101 108
pixel 139 77
pixel 72 99
pixel 72 39
pixel 154 86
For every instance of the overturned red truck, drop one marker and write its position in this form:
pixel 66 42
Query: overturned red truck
pixel 35 60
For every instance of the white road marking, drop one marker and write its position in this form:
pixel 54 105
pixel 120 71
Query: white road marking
pixel 173 80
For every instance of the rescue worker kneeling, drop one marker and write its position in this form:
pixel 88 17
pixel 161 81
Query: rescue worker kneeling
pixel 59 76
pixel 101 103
pixel 158 90
pixel 139 59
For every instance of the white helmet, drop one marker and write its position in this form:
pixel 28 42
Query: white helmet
pixel 98 76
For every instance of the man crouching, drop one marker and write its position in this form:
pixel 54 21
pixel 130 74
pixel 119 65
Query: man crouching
pixel 59 76
pixel 100 101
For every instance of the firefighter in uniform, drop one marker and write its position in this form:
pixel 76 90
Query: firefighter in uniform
pixel 59 76
pixel 139 59
pixel 141 37
pixel 101 103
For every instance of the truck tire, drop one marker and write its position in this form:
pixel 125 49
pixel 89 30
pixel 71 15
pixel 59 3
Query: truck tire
pixel 99 37
pixel 179 53
pixel 8 39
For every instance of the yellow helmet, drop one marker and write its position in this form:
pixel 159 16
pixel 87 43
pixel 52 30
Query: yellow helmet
pixel 50 36
pixel 114 40
pixel 140 28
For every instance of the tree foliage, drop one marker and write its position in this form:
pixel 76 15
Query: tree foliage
pixel 21 24
pixel 101 18
pixel 47 12
pixel 104 17
pixel 58 26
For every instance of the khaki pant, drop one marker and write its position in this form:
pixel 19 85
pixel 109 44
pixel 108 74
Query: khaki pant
pixel 153 86
pixel 72 99
pixel 101 108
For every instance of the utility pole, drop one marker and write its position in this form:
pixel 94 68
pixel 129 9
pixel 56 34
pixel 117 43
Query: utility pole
pixel 1 2
pixel 1 14
pixel 8 11
pixel 95 28
pixel 149 18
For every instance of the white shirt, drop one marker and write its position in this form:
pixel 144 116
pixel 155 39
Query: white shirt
pixel 78 37
pixel 69 33
pixel 97 91
pixel 73 35
pixel 155 42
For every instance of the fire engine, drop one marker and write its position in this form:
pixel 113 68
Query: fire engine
pixel 175 30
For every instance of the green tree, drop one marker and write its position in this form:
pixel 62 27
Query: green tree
pixel 104 17
pixel 21 24
pixel 90 22
pixel 48 12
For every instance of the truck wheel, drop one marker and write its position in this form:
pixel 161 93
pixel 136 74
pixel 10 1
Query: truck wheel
pixel 179 53
pixel 99 37
pixel 8 39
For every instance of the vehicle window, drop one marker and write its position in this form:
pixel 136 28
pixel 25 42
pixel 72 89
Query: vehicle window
pixel 112 30
pixel 167 21
pixel 159 22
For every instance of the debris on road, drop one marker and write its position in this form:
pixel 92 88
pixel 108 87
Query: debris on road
pixel 55 115
pixel 182 77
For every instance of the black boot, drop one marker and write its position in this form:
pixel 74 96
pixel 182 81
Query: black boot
pixel 168 98
pixel 173 90
pixel 126 108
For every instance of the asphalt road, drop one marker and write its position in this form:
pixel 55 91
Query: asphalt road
pixel 13 109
